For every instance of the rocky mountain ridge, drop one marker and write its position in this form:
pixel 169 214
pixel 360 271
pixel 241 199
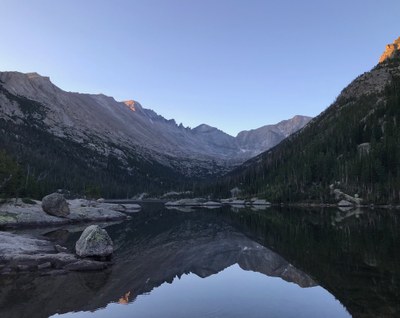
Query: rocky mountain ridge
pixel 109 134
pixel 76 115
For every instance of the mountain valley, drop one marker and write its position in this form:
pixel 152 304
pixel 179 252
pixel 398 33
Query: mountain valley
pixel 89 143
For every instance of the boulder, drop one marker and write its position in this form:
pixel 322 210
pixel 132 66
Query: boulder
pixel 55 204
pixel 94 242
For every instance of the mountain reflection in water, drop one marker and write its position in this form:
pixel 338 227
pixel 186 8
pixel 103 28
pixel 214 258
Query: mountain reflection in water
pixel 353 256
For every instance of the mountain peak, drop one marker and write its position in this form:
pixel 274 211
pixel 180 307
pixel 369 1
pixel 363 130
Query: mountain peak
pixel 131 104
pixel 34 76
pixel 391 51
pixel 204 127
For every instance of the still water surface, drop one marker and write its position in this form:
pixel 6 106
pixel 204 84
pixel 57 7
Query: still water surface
pixel 232 293
pixel 228 263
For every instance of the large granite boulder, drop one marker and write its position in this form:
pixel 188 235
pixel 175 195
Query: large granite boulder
pixel 94 242
pixel 55 204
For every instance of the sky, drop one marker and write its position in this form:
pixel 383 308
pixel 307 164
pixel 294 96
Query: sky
pixel 233 64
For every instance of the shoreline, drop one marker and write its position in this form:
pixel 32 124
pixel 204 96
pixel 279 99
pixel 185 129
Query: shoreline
pixel 23 215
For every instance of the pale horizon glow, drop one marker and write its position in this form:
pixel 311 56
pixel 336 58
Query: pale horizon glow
pixel 235 65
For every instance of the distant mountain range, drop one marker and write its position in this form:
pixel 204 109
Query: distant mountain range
pixel 95 145
pixel 91 143
pixel 353 146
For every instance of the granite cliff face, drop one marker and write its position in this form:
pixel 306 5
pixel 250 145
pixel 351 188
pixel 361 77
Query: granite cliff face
pixel 391 51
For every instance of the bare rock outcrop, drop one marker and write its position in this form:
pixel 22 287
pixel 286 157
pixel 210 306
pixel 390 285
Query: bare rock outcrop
pixel 24 253
pixel 391 51
pixel 32 215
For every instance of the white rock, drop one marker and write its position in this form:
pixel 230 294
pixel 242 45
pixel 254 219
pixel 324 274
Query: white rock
pixel 94 241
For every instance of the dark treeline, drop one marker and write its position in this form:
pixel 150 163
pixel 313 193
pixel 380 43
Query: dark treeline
pixel 354 144
pixel 34 168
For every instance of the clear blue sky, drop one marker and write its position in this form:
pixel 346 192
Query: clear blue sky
pixel 233 64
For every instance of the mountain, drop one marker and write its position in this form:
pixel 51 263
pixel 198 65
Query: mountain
pixel 93 143
pixel 261 139
pixel 353 146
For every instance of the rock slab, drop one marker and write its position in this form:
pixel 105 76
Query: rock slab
pixel 25 253
pixel 55 204
pixel 94 242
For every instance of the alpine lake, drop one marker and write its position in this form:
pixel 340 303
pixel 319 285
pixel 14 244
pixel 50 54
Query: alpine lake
pixel 226 262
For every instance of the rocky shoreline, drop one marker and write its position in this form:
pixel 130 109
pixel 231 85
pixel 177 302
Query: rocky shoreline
pixel 261 203
pixel 25 253
pixel 21 253
pixel 17 214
